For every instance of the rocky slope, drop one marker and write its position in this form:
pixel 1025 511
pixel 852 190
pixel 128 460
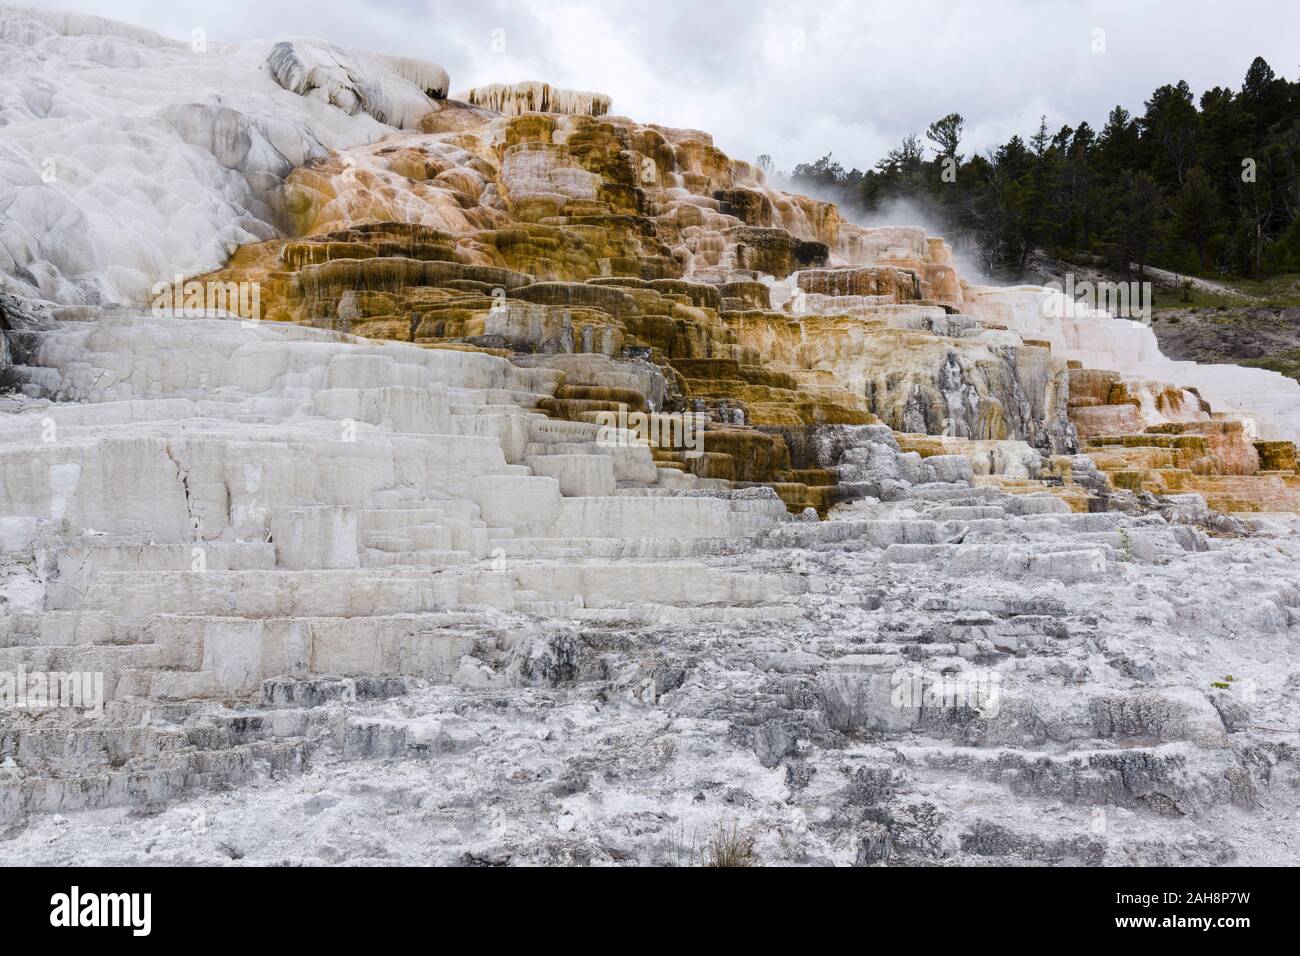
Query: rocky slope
pixel 1259 337
pixel 564 493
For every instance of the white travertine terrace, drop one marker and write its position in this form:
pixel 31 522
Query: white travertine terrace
pixel 127 157
pixel 272 449
pixel 1100 340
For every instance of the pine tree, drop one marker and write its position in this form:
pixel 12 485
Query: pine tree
pixel 945 134
pixel 1195 211
pixel 1186 185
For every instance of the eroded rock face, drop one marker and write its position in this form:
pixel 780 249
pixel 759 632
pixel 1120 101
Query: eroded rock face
pixel 1150 437
pixel 6 357
pixel 760 309
pixel 534 97
pixel 568 234
pixel 17 316
pixel 394 90
pixel 1096 340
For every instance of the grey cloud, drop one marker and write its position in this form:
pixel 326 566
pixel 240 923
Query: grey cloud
pixel 796 79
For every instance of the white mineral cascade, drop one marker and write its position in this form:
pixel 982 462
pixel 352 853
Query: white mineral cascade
pixel 127 156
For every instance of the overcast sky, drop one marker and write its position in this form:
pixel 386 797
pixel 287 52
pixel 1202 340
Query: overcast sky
pixel 793 79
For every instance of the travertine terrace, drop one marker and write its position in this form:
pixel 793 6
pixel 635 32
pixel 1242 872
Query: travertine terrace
pixel 383 569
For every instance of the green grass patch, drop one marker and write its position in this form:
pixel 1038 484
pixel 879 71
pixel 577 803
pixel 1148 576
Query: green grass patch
pixel 1288 363
pixel 1275 292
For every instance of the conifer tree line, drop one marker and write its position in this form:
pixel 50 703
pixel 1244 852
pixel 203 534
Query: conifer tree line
pixel 1206 187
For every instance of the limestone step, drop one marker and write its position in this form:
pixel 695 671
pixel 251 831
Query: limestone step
pixel 1168 780
pixel 392 519
pixel 173 776
pixel 386 558
pixel 417 537
pixel 67 628
pixel 578 475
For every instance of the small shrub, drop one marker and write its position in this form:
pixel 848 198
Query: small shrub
pixel 1126 545
pixel 730 847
